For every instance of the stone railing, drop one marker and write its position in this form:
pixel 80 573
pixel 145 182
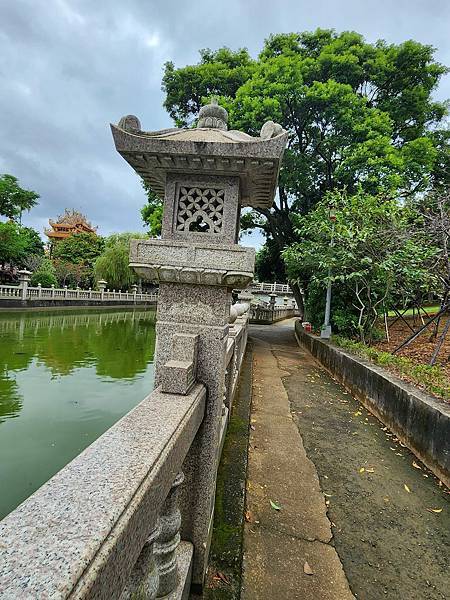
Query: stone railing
pixel 264 316
pixel 108 524
pixel 270 288
pixel 56 320
pixel 8 292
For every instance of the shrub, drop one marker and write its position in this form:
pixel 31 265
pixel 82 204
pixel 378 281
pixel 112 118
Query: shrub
pixel 44 274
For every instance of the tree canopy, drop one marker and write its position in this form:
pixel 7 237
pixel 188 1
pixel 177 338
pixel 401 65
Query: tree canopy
pixel 79 248
pixel 371 251
pixel 359 115
pixel 113 264
pixel 18 243
pixel 14 199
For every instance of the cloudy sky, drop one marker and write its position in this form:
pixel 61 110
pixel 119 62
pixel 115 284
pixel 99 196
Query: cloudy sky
pixel 70 67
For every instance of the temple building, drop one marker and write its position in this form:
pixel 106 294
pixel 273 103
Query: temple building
pixel 67 224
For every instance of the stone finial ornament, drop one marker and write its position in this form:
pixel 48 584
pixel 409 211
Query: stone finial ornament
pixel 130 123
pixel 270 130
pixel 213 116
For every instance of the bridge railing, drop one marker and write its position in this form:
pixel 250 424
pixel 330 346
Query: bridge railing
pixel 263 315
pixel 49 293
pixel 271 288
pixel 108 524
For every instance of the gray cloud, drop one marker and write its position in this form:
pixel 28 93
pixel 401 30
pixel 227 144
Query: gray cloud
pixel 69 67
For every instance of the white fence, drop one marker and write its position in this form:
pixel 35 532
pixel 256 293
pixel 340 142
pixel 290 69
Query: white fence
pixel 43 293
pixel 270 288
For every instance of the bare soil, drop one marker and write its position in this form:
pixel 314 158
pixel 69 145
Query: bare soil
pixel 421 349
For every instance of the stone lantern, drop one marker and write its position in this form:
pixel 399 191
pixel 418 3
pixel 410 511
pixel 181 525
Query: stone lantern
pixel 205 176
pixel 24 281
pixel 272 300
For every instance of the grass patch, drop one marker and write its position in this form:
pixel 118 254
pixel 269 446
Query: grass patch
pixel 433 379
pixel 431 310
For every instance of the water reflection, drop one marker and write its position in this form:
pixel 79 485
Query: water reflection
pixel 64 379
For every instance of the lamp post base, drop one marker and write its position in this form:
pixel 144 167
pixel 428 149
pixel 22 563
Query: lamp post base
pixel 325 332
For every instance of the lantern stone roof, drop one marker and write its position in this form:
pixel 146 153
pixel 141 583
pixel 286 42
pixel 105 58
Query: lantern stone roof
pixel 208 149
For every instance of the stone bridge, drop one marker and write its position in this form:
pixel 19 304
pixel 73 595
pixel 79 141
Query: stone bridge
pixel 131 516
pixel 329 490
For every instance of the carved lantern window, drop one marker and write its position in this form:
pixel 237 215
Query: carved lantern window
pixel 200 210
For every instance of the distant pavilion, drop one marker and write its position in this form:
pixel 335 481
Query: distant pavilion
pixel 69 223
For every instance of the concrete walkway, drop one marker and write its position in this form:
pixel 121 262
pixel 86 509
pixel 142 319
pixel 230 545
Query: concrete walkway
pixel 287 551
pixel 326 483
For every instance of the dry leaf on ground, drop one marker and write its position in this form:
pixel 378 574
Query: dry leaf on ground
pixel 307 569
pixel 406 488
pixel 275 505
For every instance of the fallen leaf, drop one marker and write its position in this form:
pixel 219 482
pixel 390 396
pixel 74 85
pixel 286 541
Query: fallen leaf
pixel 362 469
pixel 248 516
pixel 416 466
pixel 328 495
pixel 406 488
pixel 435 510
pixel 275 505
pixel 370 470
pixel 223 578
pixel 357 413
pixel 307 569
pixel 252 427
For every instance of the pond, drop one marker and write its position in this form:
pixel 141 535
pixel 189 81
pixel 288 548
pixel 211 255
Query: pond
pixel 65 378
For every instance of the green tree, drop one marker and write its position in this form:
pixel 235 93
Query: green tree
pixel 80 248
pixel 12 244
pixel 151 212
pixel 19 246
pixel 358 114
pixel 268 266
pixel 14 199
pixel 112 265
pixel 370 252
pixel 34 246
pixel 44 274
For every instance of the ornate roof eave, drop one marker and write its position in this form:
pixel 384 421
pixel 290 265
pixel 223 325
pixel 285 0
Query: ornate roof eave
pixel 255 160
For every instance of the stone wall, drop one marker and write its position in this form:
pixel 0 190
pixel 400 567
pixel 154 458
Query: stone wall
pixel 418 420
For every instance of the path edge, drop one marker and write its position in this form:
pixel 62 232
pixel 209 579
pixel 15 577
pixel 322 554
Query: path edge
pixel 420 421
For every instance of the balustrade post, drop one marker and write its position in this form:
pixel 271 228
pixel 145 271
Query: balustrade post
pixel 90 293
pixel 102 286
pixel 52 293
pixel 65 291
pixel 168 540
pixel 144 580
pixel 39 285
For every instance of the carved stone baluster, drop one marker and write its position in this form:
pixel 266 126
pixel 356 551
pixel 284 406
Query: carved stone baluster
pixel 168 540
pixel 144 580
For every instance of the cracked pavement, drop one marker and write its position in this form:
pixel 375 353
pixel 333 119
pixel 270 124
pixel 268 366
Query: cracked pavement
pixel 280 545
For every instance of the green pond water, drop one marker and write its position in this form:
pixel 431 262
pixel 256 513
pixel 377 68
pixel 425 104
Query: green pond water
pixel 65 378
